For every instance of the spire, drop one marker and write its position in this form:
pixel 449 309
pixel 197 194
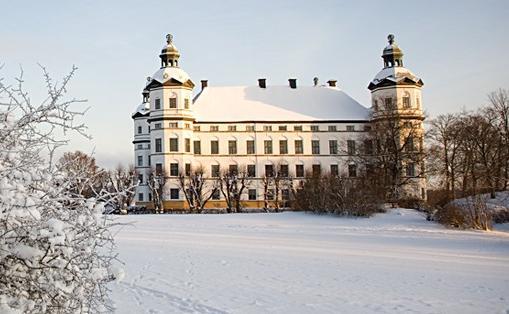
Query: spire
pixel 170 54
pixel 392 54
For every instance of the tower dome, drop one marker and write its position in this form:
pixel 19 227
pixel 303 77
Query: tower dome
pixel 392 54
pixel 169 54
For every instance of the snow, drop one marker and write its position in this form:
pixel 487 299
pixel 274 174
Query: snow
pixel 500 202
pixel 164 74
pixel 275 103
pixel 303 263
pixel 395 74
pixel 143 109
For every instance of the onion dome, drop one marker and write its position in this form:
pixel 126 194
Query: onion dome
pixel 169 54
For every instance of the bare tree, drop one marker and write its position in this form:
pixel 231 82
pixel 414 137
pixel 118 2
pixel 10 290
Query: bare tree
pixel 156 181
pixel 198 189
pixel 232 184
pixel 499 107
pixel 121 182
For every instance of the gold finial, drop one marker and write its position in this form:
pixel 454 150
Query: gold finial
pixel 169 39
pixel 390 38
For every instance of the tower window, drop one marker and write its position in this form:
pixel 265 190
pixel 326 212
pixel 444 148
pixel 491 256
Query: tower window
pixel 157 104
pixel 406 102
pixel 375 104
pixel 188 145
pixel 410 170
pixel 388 103
pixel 173 102
pixel 174 144
pixel 174 169
pixel 139 130
pixel 158 145
pixel 140 161
pixel 186 103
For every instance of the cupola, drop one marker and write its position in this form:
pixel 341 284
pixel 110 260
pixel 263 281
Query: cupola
pixel 169 54
pixel 392 54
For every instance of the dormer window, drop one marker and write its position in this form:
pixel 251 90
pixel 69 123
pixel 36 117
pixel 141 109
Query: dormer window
pixel 173 102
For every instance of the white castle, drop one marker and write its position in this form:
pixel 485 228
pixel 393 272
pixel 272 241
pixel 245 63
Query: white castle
pixel 294 129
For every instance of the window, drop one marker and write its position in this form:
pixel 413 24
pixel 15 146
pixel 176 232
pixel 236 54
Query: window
pixel 173 102
pixel 158 145
pixel 375 104
pixel 315 128
pixel 299 171
pixel 214 128
pixel 188 169
pixel 285 195
pixel 232 147
pixel 174 169
pixel 216 195
pixel 174 144
pixel 333 147
pixel 150 197
pixel 232 128
pixel 140 197
pixel 299 147
pixel 157 126
pixel 196 128
pixel 317 170
pixel 250 128
pixel 250 147
pixel 410 170
pixel 315 147
pixel 368 147
pixel 334 170
pixel 388 103
pixel 406 102
pixel 282 128
pixel 283 147
pixel 139 130
pixel 214 147
pixel 140 178
pixel 352 170
pixel 140 161
pixel 174 194
pixel 297 128
pixel 270 194
pixel 186 103
pixel 251 171
pixel 350 128
pixel 267 128
pixel 159 169
pixel 188 145
pixel 367 128
pixel 173 125
pixel 350 147
pixel 214 171
pixel 157 104
pixel 417 101
pixel 233 169
pixel 332 128
pixel 139 146
pixel 187 126
pixel 410 144
pixel 269 170
pixel 251 194
pixel 283 171
pixel 267 146
pixel 197 147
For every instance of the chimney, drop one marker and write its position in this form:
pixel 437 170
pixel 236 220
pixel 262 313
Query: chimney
pixel 332 83
pixel 204 83
pixel 293 83
pixel 262 83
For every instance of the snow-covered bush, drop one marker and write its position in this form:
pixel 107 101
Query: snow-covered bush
pixel 56 250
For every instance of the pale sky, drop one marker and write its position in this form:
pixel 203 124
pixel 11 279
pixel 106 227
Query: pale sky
pixel 458 48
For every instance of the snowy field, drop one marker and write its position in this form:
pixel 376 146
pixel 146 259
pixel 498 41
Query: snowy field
pixel 302 263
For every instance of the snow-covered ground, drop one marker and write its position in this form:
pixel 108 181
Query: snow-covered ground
pixel 303 263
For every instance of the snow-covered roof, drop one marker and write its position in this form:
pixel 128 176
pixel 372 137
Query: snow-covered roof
pixel 394 74
pixel 142 109
pixel 164 74
pixel 276 103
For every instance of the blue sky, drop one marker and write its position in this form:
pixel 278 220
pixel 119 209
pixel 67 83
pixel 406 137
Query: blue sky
pixel 458 48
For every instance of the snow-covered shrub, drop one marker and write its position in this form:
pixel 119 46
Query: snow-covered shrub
pixel 56 250
pixel 473 213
